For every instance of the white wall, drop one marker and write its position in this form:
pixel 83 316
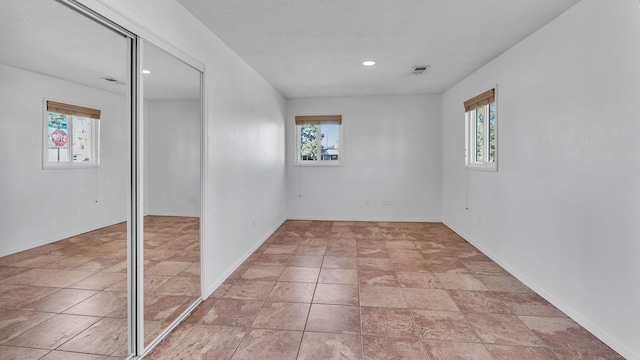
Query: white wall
pixel 172 157
pixel 38 205
pixel 244 157
pixel 391 151
pixel 562 212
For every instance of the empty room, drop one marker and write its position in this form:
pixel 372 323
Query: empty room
pixel 420 179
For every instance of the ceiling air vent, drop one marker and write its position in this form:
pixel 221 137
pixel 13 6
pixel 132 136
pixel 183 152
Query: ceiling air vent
pixel 113 80
pixel 417 70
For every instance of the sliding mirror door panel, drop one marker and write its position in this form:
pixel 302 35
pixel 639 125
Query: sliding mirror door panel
pixel 64 185
pixel 172 122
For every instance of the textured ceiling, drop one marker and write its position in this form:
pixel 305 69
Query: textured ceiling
pixel 302 47
pixel 48 38
pixel 315 47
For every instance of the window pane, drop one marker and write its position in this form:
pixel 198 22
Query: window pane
pixel 82 151
pixel 308 142
pixel 330 142
pixel 57 138
pixel 492 132
pixel 480 118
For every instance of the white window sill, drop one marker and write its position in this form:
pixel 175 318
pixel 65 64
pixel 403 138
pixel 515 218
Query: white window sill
pixel 69 166
pixel 492 167
pixel 317 164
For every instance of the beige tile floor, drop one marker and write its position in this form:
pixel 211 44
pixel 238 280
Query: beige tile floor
pixel 68 299
pixel 367 290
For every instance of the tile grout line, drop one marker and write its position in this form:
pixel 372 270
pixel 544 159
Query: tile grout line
pixel 415 323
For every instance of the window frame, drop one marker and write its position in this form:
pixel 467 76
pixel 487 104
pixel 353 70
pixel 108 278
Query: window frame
pixel 319 120
pixel 471 161
pixel 95 138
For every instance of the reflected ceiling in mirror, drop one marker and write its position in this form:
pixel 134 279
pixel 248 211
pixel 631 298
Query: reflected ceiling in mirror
pixel 63 45
pixel 168 77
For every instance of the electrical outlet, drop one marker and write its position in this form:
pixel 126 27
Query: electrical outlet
pixel 253 222
pixel 75 211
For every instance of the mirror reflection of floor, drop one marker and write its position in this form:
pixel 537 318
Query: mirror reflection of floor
pixel 172 270
pixel 70 296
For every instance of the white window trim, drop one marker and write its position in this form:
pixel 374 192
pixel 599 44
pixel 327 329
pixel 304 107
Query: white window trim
pixel 319 163
pixel 95 142
pixel 470 162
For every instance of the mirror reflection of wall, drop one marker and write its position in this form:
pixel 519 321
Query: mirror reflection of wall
pixel 172 133
pixel 63 233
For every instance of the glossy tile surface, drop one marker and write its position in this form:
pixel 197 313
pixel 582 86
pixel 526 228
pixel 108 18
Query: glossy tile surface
pixel 68 299
pixel 368 290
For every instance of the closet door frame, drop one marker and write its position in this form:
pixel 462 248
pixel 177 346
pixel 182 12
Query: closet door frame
pixel 136 34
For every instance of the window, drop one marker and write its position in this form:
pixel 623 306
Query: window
pixel 481 131
pixel 70 136
pixel 318 140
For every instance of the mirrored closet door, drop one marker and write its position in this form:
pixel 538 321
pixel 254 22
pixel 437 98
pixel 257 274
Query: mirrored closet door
pixel 101 185
pixel 65 182
pixel 171 161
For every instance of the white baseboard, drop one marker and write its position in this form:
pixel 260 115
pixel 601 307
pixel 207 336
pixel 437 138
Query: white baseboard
pixel 368 219
pixel 237 264
pixel 169 213
pixel 562 306
pixel 33 244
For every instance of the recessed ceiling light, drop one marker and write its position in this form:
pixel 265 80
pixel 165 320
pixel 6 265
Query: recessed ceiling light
pixel 144 71
pixel 368 63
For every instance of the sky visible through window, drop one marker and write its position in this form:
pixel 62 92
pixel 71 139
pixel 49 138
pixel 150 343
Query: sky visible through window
pixel 330 135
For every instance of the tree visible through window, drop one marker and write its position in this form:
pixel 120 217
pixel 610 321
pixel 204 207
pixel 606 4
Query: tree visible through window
pixel 308 142
pixel 481 131
pixel 318 139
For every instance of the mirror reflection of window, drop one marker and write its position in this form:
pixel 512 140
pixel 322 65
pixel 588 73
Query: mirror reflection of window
pixel 71 138
pixel 63 234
